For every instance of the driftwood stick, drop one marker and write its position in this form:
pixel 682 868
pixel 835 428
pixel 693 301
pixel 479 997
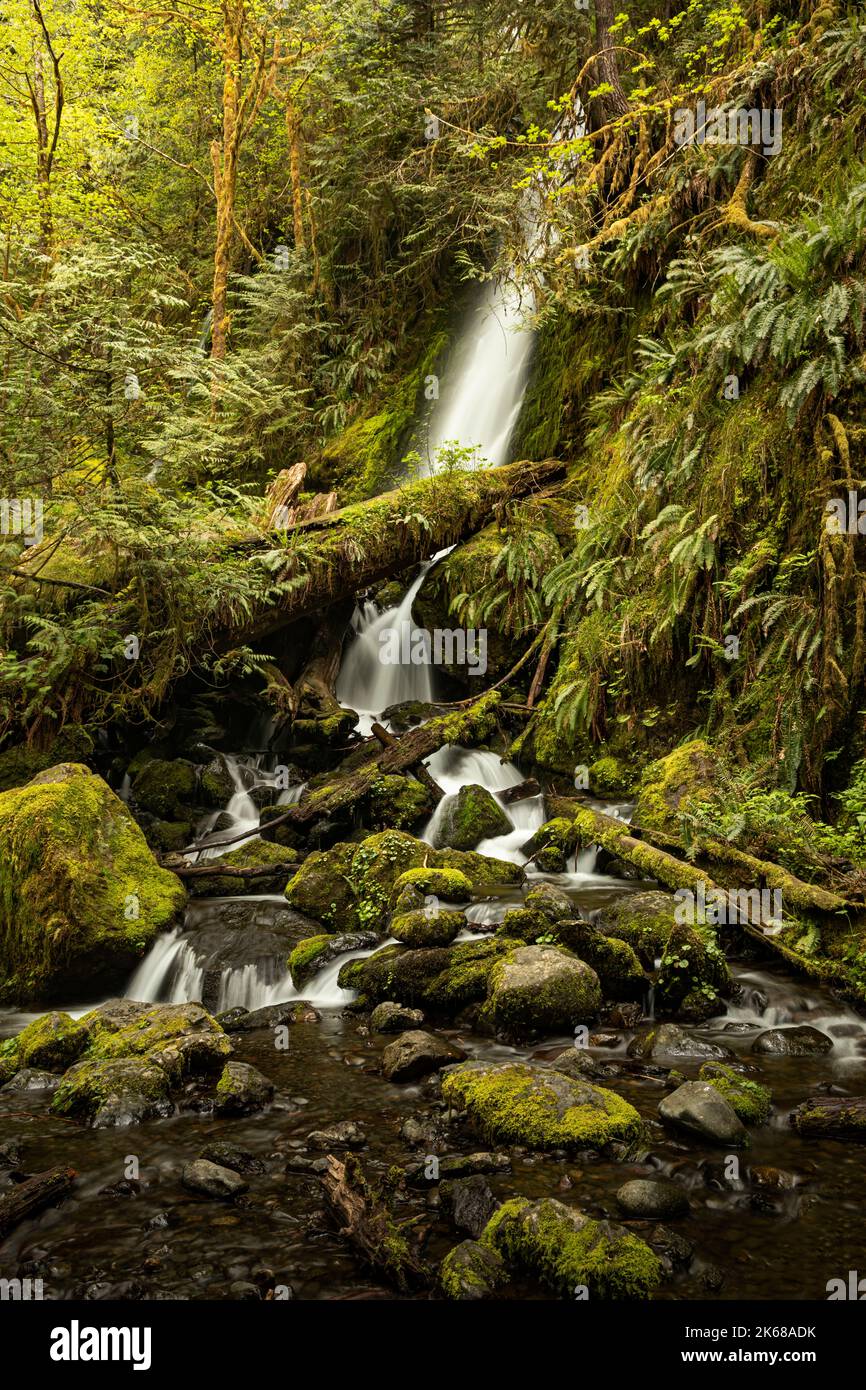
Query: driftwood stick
pixel 32 1195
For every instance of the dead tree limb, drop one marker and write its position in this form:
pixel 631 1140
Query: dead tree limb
pixel 32 1195
pixel 368 1225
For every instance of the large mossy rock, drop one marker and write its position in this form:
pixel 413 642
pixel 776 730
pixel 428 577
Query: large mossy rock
pixel 81 895
pixel 569 1251
pixel 469 816
pixel 526 1103
pixel 693 977
pixel 398 802
pixel 426 928
pixel 673 786
pixel 644 920
pixel 315 952
pixel 540 989
pixel 123 1062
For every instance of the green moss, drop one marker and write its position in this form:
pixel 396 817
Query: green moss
pixel 398 802
pixel 540 989
pixel 522 1103
pixel 693 976
pixel 52 1043
pixel 93 1087
pixel 451 884
pixel 471 1271
pixel 19 763
pixel 551 845
pixel 9 1063
pixel 610 777
pixel 422 928
pixel 254 855
pixel 302 961
pixel 81 896
pixel 750 1101
pixel 483 871
pixel 322 888
pixel 674 785
pixel 472 814
pixel 644 920
pixel 568 1251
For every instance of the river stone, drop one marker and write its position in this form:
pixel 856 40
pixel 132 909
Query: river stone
pixel 313 954
pixel 212 1179
pixel 416 1053
pixel 696 1106
pixel 541 989
pixel 671 1041
pixel 343 1135
pixel 803 1041
pixel 469 1203
pixel 241 1090
pixel 394 1018
pixel 472 814
pixel 272 1016
pixel 553 902
pixel 30 1079
pixel 227 1155
pixel 529 1103
pixel 647 1197
pixel 471 1272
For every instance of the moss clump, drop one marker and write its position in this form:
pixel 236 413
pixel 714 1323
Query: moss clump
pixel 525 924
pixel 440 979
pixel 644 920
pixel 567 1250
pixel 164 787
pixel 472 814
pixel 524 1103
pixel 9 1063
pixel 451 884
pixel 422 928
pixel 184 1038
pixel 675 785
pixel 115 1091
pixel 52 1043
pixel 303 959
pixel 81 896
pixel 614 961
pixel 749 1100
pixel 610 777
pixel 398 802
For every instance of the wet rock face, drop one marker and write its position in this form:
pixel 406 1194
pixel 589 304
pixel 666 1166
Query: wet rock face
pixel 468 1203
pixel 698 1108
pixel 670 1042
pixel 471 815
pixel 393 1018
pixel 528 1103
pixel 415 1054
pixel 803 1041
pixel 212 1180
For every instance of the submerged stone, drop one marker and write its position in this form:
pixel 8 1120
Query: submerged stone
pixel 698 1108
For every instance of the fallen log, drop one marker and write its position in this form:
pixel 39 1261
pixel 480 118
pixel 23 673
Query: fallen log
pixel 32 1195
pixel 388 740
pixel 831 1117
pixel 212 869
pixel 468 725
pixel 368 1225
pixel 522 792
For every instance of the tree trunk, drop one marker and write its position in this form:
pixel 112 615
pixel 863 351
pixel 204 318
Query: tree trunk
pixel 224 158
pixel 613 103
pixel 831 1117
pixel 313 695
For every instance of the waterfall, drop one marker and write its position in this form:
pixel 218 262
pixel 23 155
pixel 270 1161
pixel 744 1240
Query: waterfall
pixel 456 767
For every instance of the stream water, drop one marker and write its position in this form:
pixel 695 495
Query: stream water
pixel 784 1236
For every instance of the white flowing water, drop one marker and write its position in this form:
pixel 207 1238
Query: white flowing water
pixel 456 767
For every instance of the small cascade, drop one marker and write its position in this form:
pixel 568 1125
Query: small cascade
pixel 247 776
pixel 366 683
pixel 454 767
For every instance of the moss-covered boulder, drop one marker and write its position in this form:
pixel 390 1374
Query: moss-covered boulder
pixel 257 854
pixel 167 836
pixel 322 888
pixel 471 1271
pixel 242 1090
pixel 551 845
pixel 535 990
pixel 483 871
pixel 526 1103
pixel 644 920
pixel 315 952
pixel 52 1042
pixel 748 1099
pixel 216 786
pixel 425 928
pixel 117 1092
pixel 398 802
pixel 472 814
pixel 615 962
pixel 165 786
pixel 452 885
pixel 553 902
pixel 693 978
pixel 570 1252
pixel 674 785
pixel 81 895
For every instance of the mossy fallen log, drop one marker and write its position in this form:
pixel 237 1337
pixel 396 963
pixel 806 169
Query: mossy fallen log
pixel 33 1195
pixel 368 1225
